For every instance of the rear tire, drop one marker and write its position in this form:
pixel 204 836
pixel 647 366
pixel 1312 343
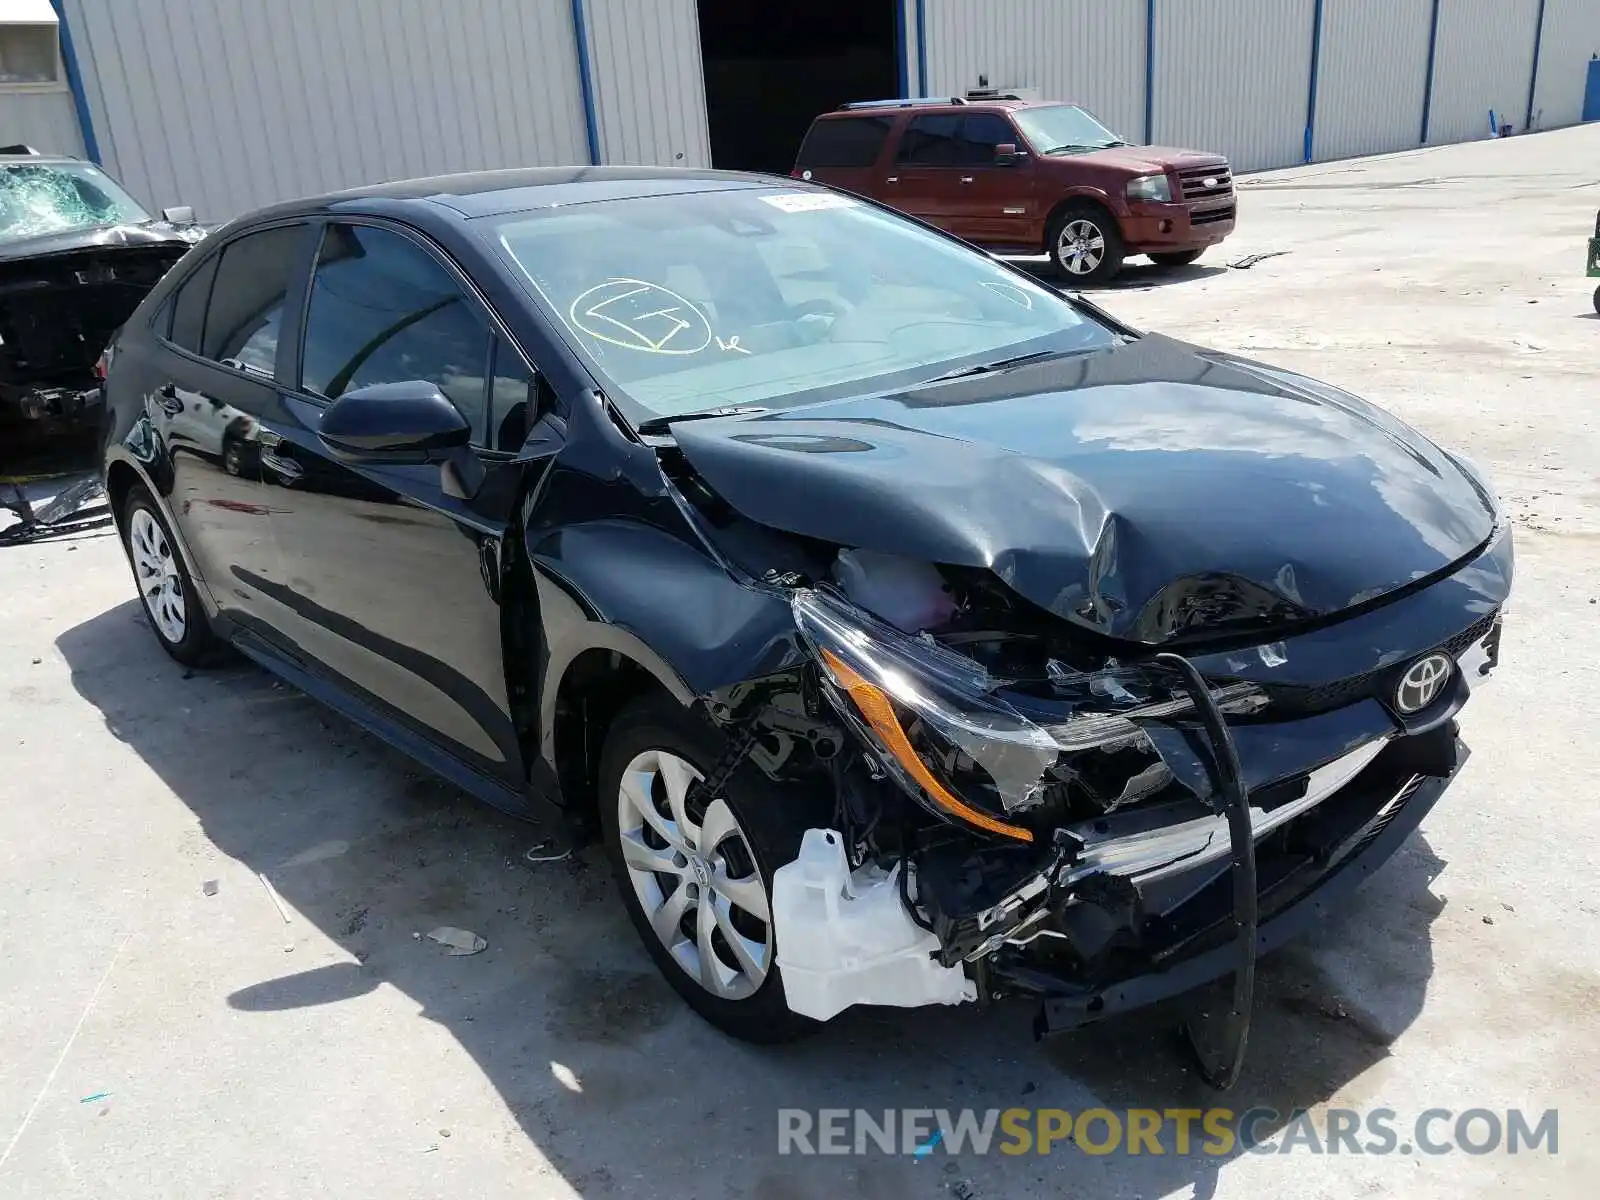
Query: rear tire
pixel 1597 299
pixel 1085 244
pixel 1177 258
pixel 171 604
pixel 703 878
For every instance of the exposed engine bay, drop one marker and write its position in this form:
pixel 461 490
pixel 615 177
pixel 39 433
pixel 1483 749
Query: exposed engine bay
pixel 1041 810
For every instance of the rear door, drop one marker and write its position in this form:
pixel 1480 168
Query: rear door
pixel 212 388
pixel 392 588
pixel 993 203
pixel 844 152
pixel 923 178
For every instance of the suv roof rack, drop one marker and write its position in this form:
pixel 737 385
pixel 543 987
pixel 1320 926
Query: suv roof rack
pixel 906 102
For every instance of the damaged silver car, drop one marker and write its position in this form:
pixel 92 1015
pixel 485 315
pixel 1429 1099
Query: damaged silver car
pixel 908 632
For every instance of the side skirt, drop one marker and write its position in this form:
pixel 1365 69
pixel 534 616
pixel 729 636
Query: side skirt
pixel 532 805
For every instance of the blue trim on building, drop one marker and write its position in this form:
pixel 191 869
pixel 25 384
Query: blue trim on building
pixel 580 34
pixel 1149 72
pixel 69 60
pixel 1311 96
pixel 1533 75
pixel 922 47
pixel 1427 85
pixel 901 47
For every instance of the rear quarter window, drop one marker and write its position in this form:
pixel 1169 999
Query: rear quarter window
pixel 844 142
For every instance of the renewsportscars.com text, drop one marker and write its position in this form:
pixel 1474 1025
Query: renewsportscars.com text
pixel 1178 1131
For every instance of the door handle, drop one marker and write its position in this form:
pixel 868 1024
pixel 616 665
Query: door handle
pixel 966 179
pixel 893 179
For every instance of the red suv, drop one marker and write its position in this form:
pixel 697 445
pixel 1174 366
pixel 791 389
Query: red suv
pixel 1022 177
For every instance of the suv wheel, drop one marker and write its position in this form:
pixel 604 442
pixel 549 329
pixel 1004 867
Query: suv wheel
pixel 1086 245
pixel 696 877
pixel 163 581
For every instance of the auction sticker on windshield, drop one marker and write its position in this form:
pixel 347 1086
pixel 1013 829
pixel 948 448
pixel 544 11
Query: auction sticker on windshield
pixel 798 202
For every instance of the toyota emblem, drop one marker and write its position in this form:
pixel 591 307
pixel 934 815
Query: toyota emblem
pixel 1423 681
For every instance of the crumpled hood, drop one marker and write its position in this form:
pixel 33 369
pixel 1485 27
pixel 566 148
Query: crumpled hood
pixel 71 241
pixel 1148 492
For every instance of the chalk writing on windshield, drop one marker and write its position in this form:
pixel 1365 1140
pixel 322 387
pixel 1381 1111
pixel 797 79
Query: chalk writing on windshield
pixel 643 316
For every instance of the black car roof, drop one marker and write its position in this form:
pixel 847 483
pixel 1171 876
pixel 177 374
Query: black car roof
pixel 492 193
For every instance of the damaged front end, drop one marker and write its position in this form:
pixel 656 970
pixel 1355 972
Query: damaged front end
pixel 1025 810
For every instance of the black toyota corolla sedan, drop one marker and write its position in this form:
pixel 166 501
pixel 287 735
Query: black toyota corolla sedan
pixel 906 631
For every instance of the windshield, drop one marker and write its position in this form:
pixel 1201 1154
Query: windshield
pixel 41 198
pixel 1063 129
pixel 774 297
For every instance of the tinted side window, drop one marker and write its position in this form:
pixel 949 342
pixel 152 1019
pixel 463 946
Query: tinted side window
pixel 512 404
pixel 980 134
pixel 844 142
pixel 384 310
pixel 188 306
pixel 245 312
pixel 930 141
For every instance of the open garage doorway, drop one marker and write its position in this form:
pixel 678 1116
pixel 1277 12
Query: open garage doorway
pixel 774 65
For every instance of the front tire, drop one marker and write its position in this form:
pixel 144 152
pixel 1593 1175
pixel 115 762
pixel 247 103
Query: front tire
pixel 168 593
pixel 1177 258
pixel 1085 244
pixel 696 879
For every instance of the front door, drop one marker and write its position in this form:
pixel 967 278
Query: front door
pixel 993 204
pixel 391 584
pixel 921 179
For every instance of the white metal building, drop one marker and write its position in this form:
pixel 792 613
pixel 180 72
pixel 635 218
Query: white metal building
pixel 227 104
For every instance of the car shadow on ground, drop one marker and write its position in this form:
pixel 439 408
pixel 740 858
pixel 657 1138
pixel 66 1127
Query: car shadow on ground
pixel 1136 274
pixel 614 1081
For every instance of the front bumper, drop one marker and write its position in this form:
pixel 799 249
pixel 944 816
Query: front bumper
pixel 1353 839
pixel 1161 228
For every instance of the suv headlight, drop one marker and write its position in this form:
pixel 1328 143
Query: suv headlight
pixel 1150 187
pixel 939 725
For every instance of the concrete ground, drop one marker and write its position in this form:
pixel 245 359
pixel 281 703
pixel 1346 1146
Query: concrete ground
pixel 159 1041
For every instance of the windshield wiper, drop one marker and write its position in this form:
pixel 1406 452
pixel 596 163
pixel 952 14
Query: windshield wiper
pixel 1002 364
pixel 659 425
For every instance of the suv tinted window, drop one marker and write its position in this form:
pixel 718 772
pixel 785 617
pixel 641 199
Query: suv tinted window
pixel 931 141
pixel 844 142
pixel 188 306
pixel 247 298
pixel 980 134
pixel 384 310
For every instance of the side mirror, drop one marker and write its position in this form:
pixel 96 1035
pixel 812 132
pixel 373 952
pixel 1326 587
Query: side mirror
pixel 182 214
pixel 1006 154
pixel 404 422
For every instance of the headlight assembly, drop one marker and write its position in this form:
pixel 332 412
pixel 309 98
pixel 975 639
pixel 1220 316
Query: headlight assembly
pixel 1150 187
pixel 949 734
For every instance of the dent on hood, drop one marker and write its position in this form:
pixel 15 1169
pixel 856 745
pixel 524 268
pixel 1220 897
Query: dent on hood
pixel 1148 492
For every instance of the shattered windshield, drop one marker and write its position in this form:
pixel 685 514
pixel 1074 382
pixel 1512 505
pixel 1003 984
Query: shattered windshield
pixel 1063 129
pixel 38 198
pixel 775 297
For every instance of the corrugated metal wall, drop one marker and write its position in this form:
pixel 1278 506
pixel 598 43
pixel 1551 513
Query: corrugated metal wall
pixel 228 106
pixel 1483 61
pixel 1088 51
pixel 1571 38
pixel 650 96
pixel 1234 76
pixel 1372 76
pixel 46 121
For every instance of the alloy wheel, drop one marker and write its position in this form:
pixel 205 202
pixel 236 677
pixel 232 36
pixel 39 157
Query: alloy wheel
pixel 1080 247
pixel 160 583
pixel 695 877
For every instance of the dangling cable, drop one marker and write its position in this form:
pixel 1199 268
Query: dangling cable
pixel 1230 778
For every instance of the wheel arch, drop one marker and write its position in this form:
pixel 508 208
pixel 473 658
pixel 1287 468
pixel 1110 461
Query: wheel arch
pixel 1091 196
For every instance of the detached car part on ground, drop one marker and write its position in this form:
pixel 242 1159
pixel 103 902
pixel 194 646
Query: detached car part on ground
pixel 77 254
pixel 909 632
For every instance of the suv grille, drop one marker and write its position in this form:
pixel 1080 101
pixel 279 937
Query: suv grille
pixel 1210 216
pixel 1192 182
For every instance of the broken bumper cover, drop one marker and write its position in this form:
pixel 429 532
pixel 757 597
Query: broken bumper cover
pixel 1291 902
